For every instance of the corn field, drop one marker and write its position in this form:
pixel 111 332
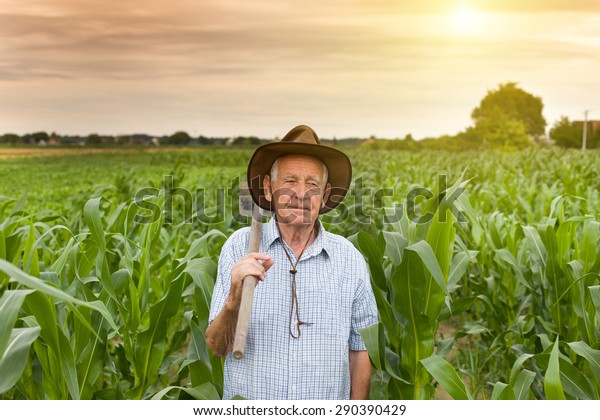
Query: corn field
pixel 485 268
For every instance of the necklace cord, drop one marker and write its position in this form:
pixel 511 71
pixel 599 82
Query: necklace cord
pixel 293 272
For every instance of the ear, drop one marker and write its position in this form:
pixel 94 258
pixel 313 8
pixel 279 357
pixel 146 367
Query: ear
pixel 267 187
pixel 326 194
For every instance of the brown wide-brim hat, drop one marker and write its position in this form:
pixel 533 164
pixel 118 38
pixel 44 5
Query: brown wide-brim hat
pixel 300 140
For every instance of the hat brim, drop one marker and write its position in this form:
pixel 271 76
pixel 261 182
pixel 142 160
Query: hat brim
pixel 338 167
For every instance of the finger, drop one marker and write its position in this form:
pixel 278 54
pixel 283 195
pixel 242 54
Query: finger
pixel 255 269
pixel 267 264
pixel 259 256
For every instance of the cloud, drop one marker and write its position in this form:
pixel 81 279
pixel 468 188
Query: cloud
pixel 125 39
pixel 352 66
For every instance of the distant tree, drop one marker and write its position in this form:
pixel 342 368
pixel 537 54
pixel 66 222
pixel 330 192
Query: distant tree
pixel 180 137
pixel 10 138
pixel 246 141
pixel 515 104
pixel 122 139
pixel 94 139
pixel 566 133
pixel 39 136
pixel 204 140
pixel 498 130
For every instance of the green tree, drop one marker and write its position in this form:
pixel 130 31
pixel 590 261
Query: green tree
pixel 566 133
pixel 94 139
pixel 122 139
pixel 10 138
pixel 498 130
pixel 515 104
pixel 246 141
pixel 180 137
pixel 39 136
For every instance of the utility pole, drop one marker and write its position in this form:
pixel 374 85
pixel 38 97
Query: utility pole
pixel 584 140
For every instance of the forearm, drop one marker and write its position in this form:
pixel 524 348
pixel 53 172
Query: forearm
pixel 221 332
pixel 360 375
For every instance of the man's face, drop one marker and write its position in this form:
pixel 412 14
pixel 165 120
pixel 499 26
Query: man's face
pixel 298 191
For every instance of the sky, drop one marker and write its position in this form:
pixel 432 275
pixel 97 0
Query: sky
pixel 347 68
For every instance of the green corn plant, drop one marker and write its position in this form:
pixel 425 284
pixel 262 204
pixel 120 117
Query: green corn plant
pixel 153 296
pixel 105 296
pixel 518 283
pixel 14 342
pixel 410 272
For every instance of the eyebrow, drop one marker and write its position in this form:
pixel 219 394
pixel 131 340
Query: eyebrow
pixel 290 175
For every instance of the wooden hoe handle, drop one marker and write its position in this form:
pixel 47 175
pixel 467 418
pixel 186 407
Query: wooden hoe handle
pixel 241 329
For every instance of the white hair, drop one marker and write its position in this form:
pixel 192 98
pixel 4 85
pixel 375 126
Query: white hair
pixel 275 170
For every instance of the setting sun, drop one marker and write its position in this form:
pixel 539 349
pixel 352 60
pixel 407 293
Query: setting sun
pixel 466 19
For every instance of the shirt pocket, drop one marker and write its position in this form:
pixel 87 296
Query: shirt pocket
pixel 320 306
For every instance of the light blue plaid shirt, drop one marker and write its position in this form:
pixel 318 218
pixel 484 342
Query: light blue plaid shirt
pixel 334 294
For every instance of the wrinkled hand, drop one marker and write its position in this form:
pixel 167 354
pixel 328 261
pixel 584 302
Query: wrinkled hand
pixel 254 264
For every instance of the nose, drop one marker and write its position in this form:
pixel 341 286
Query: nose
pixel 300 190
pixel 306 191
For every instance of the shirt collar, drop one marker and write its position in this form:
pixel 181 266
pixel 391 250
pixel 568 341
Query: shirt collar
pixel 270 234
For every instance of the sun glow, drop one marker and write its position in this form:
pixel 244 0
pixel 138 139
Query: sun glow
pixel 466 19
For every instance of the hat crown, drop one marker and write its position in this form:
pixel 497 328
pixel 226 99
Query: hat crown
pixel 300 140
pixel 301 134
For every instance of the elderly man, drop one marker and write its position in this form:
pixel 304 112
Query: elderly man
pixel 314 292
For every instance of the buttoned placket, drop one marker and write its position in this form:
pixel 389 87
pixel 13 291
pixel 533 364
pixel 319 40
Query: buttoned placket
pixel 295 346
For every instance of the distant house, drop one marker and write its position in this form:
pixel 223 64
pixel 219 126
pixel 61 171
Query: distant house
pixel 54 140
pixel 592 125
pixel 73 140
pixel 142 139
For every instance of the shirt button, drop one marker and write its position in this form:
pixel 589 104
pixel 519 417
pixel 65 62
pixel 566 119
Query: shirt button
pixel 293 387
pixel 294 356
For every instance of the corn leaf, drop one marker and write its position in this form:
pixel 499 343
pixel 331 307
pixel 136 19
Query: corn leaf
pixel 395 244
pixel 374 255
pixel 370 337
pixel 574 382
pixel 502 392
pixel 149 347
pixel 205 391
pixel 14 359
pixel 37 284
pixel 425 252
pixel 589 354
pixel 444 373
pixel 10 304
pixel 522 384
pixel 552 385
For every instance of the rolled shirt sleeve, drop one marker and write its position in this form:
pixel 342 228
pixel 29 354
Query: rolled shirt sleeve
pixel 364 309
pixel 227 259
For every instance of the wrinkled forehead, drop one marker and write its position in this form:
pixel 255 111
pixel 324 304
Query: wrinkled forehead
pixel 305 163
